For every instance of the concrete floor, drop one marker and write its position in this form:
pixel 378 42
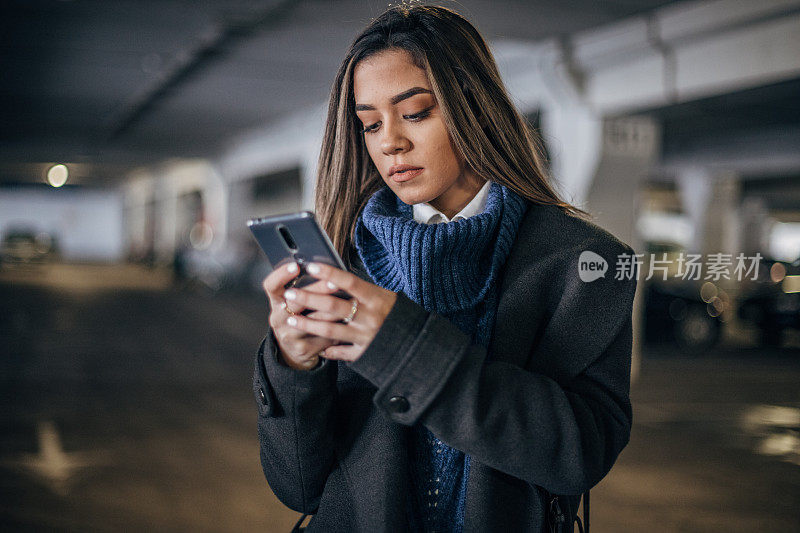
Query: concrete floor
pixel 126 405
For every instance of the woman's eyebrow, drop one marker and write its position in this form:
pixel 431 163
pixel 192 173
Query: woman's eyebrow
pixel 395 99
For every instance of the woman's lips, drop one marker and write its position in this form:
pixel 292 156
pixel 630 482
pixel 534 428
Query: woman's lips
pixel 399 177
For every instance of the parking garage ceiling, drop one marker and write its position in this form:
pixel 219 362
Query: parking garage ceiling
pixel 108 85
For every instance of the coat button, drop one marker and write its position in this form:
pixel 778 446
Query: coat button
pixel 262 396
pixel 398 404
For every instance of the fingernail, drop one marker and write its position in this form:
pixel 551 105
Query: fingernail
pixel 292 321
pixel 331 286
pixel 313 268
pixel 290 294
pixel 292 268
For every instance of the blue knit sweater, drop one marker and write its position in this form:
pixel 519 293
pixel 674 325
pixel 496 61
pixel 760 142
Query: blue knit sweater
pixel 450 269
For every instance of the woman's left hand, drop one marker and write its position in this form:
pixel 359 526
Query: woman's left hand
pixel 374 304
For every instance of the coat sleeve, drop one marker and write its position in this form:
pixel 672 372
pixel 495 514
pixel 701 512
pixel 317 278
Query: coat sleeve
pixel 561 427
pixel 295 418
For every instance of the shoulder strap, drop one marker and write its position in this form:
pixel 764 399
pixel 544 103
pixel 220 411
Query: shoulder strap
pixel 556 514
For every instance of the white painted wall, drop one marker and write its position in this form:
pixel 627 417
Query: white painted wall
pixel 87 224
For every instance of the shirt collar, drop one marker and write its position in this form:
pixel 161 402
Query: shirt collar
pixel 425 213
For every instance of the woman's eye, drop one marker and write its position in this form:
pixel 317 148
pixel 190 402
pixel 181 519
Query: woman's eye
pixel 417 116
pixel 370 129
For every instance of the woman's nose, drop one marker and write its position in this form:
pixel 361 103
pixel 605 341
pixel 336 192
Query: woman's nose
pixel 394 141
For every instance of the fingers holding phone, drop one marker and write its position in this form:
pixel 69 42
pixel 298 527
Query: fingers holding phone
pixel 288 239
pixel 298 349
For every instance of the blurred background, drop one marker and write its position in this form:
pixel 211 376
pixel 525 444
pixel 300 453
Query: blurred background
pixel 137 137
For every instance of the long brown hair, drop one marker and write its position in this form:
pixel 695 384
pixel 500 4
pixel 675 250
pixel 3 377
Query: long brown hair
pixel 484 125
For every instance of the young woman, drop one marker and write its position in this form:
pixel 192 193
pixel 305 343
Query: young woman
pixel 473 373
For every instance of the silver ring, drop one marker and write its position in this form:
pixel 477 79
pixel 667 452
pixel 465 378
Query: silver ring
pixel 349 318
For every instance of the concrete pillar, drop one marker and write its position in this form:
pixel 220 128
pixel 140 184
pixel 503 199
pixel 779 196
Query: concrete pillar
pixel 722 216
pixel 694 189
pixel 755 226
pixel 712 205
pixel 574 137
pixel 712 202
pixel 629 148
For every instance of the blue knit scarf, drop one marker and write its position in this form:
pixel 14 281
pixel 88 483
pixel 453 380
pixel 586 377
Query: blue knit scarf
pixel 450 269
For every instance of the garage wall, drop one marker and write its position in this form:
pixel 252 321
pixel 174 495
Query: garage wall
pixel 87 224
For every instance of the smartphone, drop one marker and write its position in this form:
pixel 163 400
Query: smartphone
pixel 296 237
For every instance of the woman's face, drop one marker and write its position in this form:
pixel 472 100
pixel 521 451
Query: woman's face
pixel 403 125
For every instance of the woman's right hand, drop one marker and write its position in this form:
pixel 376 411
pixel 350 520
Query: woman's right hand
pixel 299 350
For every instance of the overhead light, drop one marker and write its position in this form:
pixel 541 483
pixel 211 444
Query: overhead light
pixel 57 175
pixel 777 272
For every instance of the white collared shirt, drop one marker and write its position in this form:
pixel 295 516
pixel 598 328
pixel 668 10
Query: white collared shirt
pixel 425 213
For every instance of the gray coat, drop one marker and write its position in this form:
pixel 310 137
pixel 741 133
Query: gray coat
pixel 551 409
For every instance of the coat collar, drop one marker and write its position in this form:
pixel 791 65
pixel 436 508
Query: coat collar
pixel 507 342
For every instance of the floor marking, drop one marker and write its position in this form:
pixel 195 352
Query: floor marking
pixel 52 465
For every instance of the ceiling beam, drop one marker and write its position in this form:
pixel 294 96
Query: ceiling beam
pixel 194 58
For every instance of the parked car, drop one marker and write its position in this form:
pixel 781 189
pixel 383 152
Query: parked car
pixel 25 245
pixel 688 313
pixel 773 301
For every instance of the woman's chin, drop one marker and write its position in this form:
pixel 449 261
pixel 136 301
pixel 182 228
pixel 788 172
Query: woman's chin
pixel 405 195
pixel 410 193
pixel 409 200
